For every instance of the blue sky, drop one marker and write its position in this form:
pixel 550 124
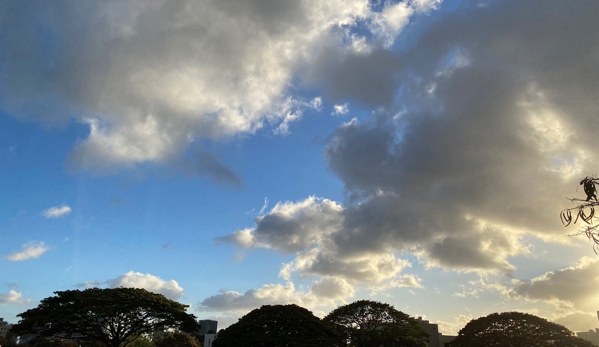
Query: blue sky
pixel 230 155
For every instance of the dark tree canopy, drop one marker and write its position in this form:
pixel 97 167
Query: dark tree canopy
pixel 516 329
pixel 114 317
pixel 176 339
pixel 368 323
pixel 8 340
pixel 277 325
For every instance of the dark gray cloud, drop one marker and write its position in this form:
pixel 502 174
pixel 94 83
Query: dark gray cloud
pixel 206 164
pixel 486 141
pixel 485 124
pixel 370 79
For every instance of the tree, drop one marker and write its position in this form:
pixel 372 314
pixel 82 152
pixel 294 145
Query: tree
pixel 40 341
pixel 8 340
pixel 585 211
pixel 368 323
pixel 114 317
pixel 516 329
pixel 177 339
pixel 142 341
pixel 277 325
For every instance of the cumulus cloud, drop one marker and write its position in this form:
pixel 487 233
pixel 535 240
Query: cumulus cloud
pixel 148 77
pixel 480 129
pixel 574 287
pixel 486 137
pixel 326 292
pixel 13 297
pixel 30 250
pixel 155 284
pixel 169 289
pixel 57 211
pixel 308 229
pixel 269 294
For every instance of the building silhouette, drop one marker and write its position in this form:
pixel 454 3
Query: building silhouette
pixel 436 339
pixel 591 335
pixel 208 329
pixel 208 326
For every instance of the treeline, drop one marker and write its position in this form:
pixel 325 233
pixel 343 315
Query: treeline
pixel 130 317
pixel 170 339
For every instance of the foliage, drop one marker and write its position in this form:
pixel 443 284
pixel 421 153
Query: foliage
pixel 141 341
pixel 56 342
pixel 370 323
pixel 277 325
pixel 41 341
pixel 176 339
pixel 114 317
pixel 8 340
pixel 584 211
pixel 516 329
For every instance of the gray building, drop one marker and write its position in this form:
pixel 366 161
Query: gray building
pixel 436 339
pixel 591 335
pixel 208 326
pixel 4 327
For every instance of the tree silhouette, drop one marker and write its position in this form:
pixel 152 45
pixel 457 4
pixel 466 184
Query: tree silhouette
pixel 277 325
pixel 367 323
pixel 176 339
pixel 516 329
pixel 584 210
pixel 115 317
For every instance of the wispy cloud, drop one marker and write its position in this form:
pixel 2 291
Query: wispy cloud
pixel 57 211
pixel 30 250
pixel 263 207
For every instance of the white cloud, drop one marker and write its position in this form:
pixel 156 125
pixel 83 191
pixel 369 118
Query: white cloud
pixel 169 289
pixel 13 297
pixel 30 250
pixel 146 83
pixel 340 110
pixel 57 211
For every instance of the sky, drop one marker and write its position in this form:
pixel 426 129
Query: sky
pixel 234 154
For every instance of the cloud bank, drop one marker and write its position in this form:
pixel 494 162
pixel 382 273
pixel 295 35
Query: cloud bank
pixel 480 129
pixel 574 287
pixel 152 80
